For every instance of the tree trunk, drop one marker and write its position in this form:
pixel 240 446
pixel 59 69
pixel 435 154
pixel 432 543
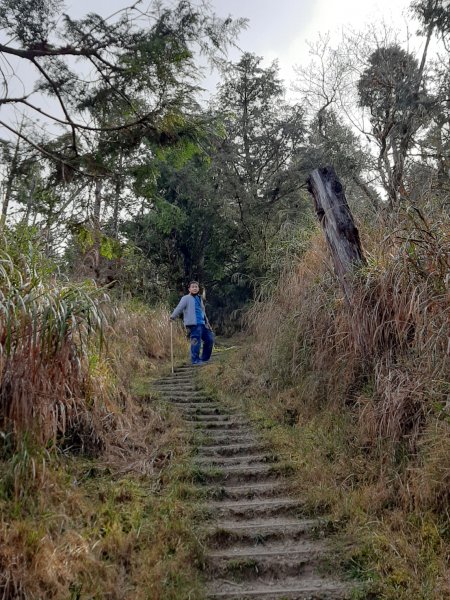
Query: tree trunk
pixel 9 184
pixel 117 198
pixel 27 213
pixel 371 195
pixel 337 222
pixel 97 203
pixel 96 225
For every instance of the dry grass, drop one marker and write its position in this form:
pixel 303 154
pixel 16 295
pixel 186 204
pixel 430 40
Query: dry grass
pixel 45 328
pixel 110 525
pixel 393 340
pixel 79 532
pixel 137 349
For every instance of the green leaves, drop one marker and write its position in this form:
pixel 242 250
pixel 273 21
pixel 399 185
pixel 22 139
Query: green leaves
pixel 31 21
pixel 166 217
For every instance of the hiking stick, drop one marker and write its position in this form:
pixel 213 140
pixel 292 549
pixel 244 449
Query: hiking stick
pixel 171 344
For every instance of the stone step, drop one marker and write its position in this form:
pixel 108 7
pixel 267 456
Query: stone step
pixel 177 378
pixel 227 533
pixel 311 588
pixel 179 392
pixel 247 491
pixel 239 459
pixel 200 408
pixel 174 388
pixel 188 380
pixel 219 425
pixel 230 438
pixel 239 474
pixel 271 549
pixel 255 508
pixel 231 449
pixel 276 560
pixel 211 416
pixel 201 399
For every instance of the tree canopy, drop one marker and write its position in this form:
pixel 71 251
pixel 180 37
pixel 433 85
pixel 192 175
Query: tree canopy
pixel 131 180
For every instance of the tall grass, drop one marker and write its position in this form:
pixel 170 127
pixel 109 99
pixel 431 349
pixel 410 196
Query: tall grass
pixel 45 329
pixel 68 353
pixel 137 341
pixel 392 341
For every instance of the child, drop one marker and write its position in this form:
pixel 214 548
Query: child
pixel 196 322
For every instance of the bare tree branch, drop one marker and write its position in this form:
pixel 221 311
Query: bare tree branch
pixel 140 121
pixel 61 102
pixel 46 152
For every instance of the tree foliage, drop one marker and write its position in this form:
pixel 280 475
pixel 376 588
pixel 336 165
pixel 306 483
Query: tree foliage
pixel 263 135
pixel 391 88
pixel 139 62
pixel 142 188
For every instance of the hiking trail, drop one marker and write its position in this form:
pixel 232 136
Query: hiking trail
pixel 259 545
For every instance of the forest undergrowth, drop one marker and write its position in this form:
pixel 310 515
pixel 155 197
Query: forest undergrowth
pixel 90 506
pixel 356 398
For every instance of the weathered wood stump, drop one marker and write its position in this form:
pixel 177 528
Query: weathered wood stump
pixel 337 222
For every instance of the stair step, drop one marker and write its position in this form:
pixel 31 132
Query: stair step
pixel 248 491
pixel 272 506
pixel 281 549
pixel 210 417
pixel 314 588
pixel 226 533
pixel 174 379
pixel 177 391
pixel 240 459
pixel 240 473
pixel 220 425
pixel 200 408
pixel 231 438
pixel 177 399
pixel 231 449
pixel 277 562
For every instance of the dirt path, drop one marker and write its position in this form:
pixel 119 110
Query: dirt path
pixel 259 544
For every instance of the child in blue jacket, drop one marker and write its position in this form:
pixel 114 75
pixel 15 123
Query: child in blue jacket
pixel 195 320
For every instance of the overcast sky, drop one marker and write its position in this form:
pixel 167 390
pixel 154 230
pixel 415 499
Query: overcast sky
pixel 277 29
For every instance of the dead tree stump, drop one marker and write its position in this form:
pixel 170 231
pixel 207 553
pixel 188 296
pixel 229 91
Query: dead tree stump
pixel 337 222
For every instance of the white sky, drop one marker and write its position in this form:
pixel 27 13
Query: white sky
pixel 279 29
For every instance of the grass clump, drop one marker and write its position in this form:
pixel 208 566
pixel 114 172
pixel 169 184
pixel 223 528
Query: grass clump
pixel 45 329
pixel 87 534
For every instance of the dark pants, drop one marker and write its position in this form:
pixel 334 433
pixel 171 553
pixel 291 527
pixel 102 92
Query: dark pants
pixel 199 333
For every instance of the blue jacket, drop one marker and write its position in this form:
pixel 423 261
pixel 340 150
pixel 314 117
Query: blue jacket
pixel 187 306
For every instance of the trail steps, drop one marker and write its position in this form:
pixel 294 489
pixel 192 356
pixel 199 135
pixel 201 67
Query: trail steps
pixel 260 544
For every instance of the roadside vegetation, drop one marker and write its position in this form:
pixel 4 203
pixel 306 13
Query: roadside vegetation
pixel 89 459
pixel 356 398
pixel 128 188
